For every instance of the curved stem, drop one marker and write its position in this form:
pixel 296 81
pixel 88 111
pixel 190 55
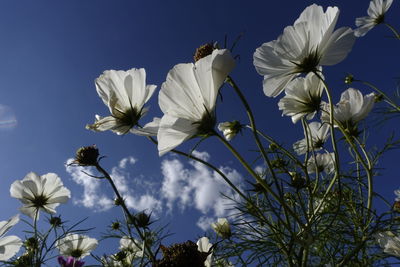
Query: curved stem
pixel 126 210
pixel 252 125
pixel 388 99
pixel 396 34
pixel 336 177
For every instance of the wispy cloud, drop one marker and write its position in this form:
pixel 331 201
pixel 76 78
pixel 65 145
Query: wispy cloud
pixel 8 120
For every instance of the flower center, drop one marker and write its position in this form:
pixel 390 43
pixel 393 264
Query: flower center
pixel 309 63
pixel 76 253
pixel 206 124
pixel 380 19
pixel 318 143
pixel 39 201
pixel 129 117
pixel 351 128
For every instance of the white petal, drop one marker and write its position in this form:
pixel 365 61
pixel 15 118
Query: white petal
pixel 6 225
pixel 173 132
pixel 338 46
pixel 9 246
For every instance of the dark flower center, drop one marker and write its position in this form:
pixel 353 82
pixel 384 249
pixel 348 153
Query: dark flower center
pixel 39 201
pixel 76 253
pixel 129 117
pixel 309 63
pixel 206 124
pixel 380 19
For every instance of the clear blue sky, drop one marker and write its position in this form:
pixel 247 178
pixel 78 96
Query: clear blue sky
pixel 51 52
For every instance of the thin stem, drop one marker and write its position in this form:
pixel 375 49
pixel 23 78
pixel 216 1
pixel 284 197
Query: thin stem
pixel 259 180
pixel 126 210
pixel 396 34
pixel 385 96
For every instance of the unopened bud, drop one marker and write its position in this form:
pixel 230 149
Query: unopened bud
pixel 142 219
pixel 349 79
pixel 203 51
pixel 87 156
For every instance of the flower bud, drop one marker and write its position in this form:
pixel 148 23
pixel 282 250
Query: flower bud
pixel 118 201
pixel 203 51
pixel 115 225
pixel 222 228
pixel 230 129
pixel 297 181
pixel 349 79
pixel 396 206
pixel 142 219
pixel 55 221
pixel 87 156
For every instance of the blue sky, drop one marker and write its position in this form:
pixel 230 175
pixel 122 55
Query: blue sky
pixel 51 52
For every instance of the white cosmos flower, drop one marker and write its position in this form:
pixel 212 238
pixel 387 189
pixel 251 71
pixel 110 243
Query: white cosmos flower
pixel 229 129
pixel 321 163
pixel 222 227
pixel 317 135
pixel 133 247
pixel 311 42
pixel 352 108
pixel 303 97
pixel 76 245
pixel 36 192
pixel 376 15
pixel 9 245
pixel 125 93
pixel 389 242
pixel 204 245
pixel 187 99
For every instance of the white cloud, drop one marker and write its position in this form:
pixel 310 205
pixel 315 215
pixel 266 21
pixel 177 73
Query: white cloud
pixel 92 196
pixel 198 187
pixel 190 185
pixel 94 190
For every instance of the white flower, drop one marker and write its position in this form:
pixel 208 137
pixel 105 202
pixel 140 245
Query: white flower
pixel 188 98
pixel 229 129
pixel 303 97
pixel 352 108
pixel 9 245
pixel 76 245
pixel 302 48
pixel 376 15
pixel 125 93
pixel 389 242
pixel 222 228
pixel 321 162
pixel 131 246
pixel 204 245
pixel 36 192
pixel 317 135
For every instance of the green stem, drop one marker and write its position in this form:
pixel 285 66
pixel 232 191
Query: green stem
pixel 336 177
pixel 259 180
pixel 396 34
pixel 126 210
pixel 387 99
